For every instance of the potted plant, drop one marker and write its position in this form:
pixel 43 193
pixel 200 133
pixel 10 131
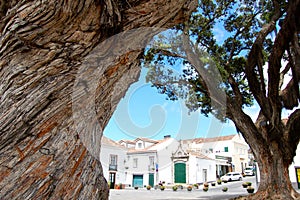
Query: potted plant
pixel 196 186
pixel 246 184
pixel 250 189
pixel 175 188
pixel 225 181
pixel 205 184
pixel 213 184
pixel 148 187
pixel 224 189
pixel 180 186
pixel 162 188
pixel 136 187
pixel 189 188
pixel 219 181
pixel 205 189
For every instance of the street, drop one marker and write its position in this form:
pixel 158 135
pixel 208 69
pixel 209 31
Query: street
pixel 235 189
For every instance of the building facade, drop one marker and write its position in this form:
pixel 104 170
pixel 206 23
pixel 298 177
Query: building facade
pixel 142 162
pixel 229 152
pixel 113 158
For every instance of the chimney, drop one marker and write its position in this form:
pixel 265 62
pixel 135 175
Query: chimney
pixel 167 136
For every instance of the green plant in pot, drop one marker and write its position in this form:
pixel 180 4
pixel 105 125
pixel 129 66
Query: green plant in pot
pixel 219 181
pixel 189 188
pixel 175 188
pixel 162 187
pixel 250 189
pixel 148 187
pixel 205 189
pixel 246 184
pixel 225 189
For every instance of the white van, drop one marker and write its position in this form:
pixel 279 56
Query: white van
pixel 249 171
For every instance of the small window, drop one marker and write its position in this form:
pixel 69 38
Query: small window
pixel 113 159
pixel 151 161
pixel 135 163
pixel 139 145
pixel 226 149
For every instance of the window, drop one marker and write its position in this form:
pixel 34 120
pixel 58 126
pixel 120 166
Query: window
pixel 113 159
pixel 113 162
pixel 211 150
pixel 140 145
pixel 135 162
pixel 226 149
pixel 151 161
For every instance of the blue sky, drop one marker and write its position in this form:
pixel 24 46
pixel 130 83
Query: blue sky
pixel 143 112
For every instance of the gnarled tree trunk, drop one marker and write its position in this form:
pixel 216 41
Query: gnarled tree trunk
pixel 274 155
pixel 43 44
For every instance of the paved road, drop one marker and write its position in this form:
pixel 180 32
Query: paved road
pixel 235 189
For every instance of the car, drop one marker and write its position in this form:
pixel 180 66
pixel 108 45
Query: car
pixel 232 176
pixel 249 171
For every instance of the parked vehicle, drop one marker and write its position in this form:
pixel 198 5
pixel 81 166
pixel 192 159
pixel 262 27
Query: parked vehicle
pixel 249 171
pixel 232 176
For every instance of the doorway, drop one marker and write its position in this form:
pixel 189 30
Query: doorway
pixel 180 173
pixel 112 180
pixel 137 181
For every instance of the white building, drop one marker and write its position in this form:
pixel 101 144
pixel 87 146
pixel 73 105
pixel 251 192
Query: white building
pixel 149 162
pixel 190 167
pixel 113 157
pixel 229 152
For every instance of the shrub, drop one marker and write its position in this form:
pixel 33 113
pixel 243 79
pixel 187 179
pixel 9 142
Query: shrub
pixel 224 189
pixel 175 188
pixel 189 188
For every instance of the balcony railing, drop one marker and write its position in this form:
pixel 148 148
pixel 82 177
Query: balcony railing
pixel 113 167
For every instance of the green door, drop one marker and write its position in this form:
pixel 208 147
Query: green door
pixel 180 173
pixel 151 180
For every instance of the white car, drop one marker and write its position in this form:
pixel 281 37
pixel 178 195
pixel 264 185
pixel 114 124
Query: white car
pixel 232 176
pixel 249 171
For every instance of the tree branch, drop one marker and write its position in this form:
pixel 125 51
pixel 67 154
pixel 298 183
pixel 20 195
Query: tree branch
pixel 281 44
pixel 255 56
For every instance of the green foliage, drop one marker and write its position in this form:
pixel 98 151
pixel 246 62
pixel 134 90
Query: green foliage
pixel 173 71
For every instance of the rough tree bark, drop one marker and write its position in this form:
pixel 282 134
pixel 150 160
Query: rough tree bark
pixel 43 44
